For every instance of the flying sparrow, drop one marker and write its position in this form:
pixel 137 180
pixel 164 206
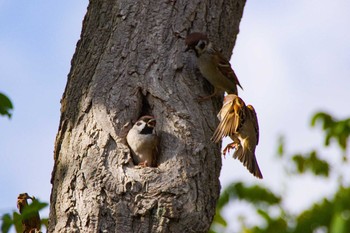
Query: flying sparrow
pixel 143 141
pixel 213 65
pixel 240 123
pixel 32 223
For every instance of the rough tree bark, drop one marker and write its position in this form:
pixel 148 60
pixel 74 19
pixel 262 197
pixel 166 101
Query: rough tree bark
pixel 130 61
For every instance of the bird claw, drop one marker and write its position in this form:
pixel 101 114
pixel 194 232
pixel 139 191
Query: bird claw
pixel 228 148
pixel 143 164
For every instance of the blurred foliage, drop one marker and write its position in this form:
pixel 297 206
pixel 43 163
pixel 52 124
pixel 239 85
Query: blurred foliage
pixel 311 162
pixel 280 147
pixel 5 106
pixel 15 218
pixel 331 214
pixel 256 195
pixel 338 130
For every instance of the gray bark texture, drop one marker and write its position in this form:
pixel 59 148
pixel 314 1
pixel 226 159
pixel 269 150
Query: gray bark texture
pixel 131 61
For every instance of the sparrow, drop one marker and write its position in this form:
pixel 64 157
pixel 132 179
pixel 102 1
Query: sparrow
pixel 213 65
pixel 240 123
pixel 32 222
pixel 143 142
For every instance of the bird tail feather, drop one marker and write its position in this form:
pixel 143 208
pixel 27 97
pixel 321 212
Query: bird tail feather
pixel 248 159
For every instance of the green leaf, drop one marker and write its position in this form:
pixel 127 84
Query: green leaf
pixel 323 117
pixel 327 139
pixel 311 162
pixel 342 132
pixel 280 147
pixel 224 198
pixel 254 194
pixel 264 215
pixel 300 163
pixel 338 130
pixel 7 222
pixel 5 105
pixel 317 216
pixel 219 223
pixel 219 219
pixel 338 224
pixel 273 225
pixel 32 209
pixel 45 222
pixel 17 220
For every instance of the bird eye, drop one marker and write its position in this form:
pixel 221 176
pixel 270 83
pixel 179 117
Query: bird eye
pixel 201 44
pixel 138 123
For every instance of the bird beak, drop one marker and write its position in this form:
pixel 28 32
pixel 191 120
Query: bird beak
pixel 152 122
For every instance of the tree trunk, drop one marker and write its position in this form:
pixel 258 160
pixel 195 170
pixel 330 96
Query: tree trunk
pixel 131 61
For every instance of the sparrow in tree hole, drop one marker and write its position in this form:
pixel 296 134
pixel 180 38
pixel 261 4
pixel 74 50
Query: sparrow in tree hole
pixel 213 65
pixel 240 123
pixel 143 142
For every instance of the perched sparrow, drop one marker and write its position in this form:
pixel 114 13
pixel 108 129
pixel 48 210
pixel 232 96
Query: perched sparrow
pixel 213 65
pixel 32 223
pixel 240 123
pixel 143 141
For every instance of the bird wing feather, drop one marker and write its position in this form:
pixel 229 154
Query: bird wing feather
pixel 225 68
pixel 254 119
pixel 231 122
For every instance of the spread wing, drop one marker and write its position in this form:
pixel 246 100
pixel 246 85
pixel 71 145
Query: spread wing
pixel 225 68
pixel 231 121
pixel 254 119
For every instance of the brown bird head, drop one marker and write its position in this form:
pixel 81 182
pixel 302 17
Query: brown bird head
pixel 149 120
pixel 197 41
pixel 145 125
pixel 24 196
pixel 22 201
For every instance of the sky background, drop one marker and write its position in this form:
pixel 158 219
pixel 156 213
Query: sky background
pixel 291 57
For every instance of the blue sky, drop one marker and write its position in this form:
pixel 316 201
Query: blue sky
pixel 37 41
pixel 291 57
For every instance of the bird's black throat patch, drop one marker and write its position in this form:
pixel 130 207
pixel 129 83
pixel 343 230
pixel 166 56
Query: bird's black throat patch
pixel 146 130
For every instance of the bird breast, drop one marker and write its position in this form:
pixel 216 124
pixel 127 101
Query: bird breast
pixel 141 144
pixel 211 72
